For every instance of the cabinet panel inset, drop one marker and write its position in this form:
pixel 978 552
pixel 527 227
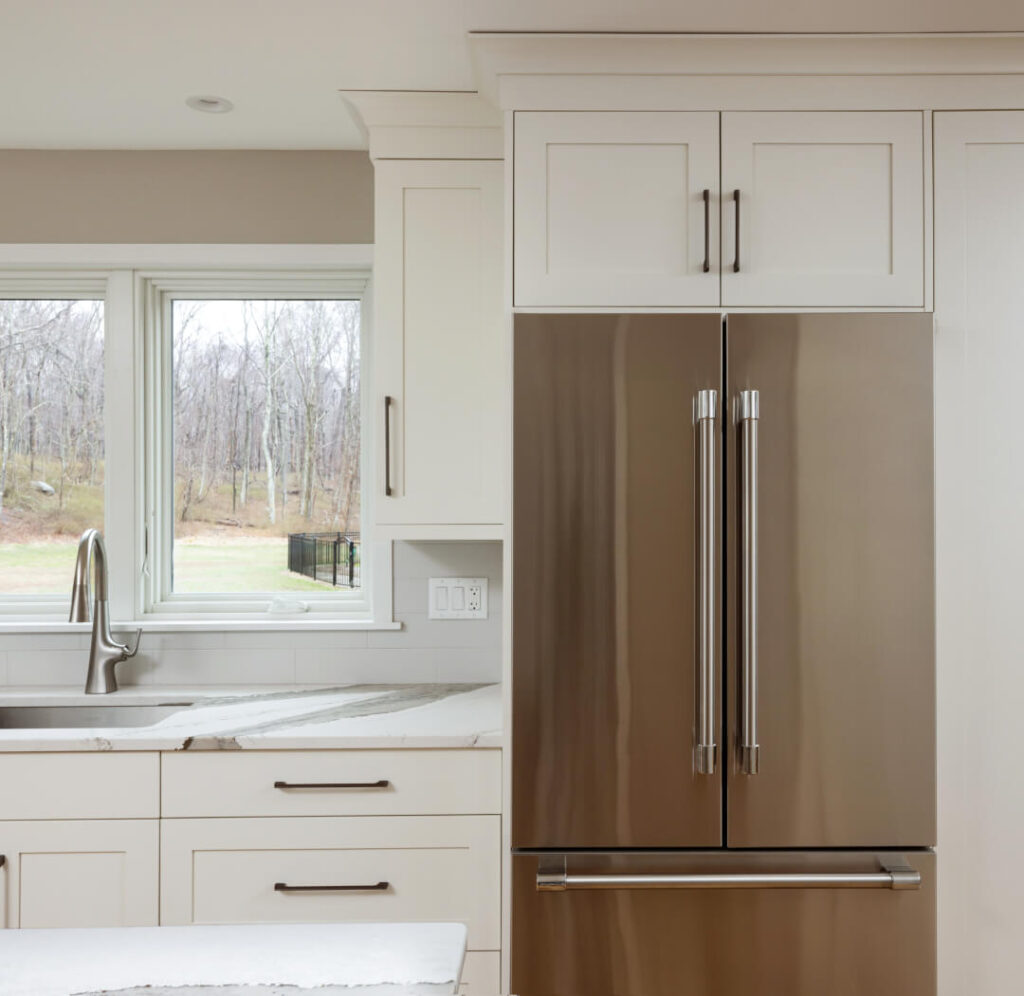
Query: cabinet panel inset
pixel 72 890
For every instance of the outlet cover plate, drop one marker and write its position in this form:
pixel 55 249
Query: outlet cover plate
pixel 457 598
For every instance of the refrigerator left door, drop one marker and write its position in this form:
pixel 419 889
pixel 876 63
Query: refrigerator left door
pixel 616 576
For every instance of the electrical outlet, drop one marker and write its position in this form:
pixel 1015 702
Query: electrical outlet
pixel 457 598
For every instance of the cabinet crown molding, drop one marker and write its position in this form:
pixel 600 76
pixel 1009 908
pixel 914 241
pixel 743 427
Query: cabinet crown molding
pixel 508 65
pixel 412 124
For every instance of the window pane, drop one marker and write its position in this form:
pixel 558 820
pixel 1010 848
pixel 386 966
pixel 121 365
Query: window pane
pixel 266 446
pixel 51 440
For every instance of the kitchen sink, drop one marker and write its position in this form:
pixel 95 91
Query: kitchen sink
pixel 85 716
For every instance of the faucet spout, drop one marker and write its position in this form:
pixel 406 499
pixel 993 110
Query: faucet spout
pixel 105 652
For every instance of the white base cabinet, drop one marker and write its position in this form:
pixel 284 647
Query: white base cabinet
pixel 80 873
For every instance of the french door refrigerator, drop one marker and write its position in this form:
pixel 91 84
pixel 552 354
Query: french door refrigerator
pixel 723 656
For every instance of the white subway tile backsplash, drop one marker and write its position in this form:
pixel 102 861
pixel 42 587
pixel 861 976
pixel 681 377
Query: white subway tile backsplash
pixel 422 650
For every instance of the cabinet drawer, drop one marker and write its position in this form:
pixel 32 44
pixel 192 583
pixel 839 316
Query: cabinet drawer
pixel 481 974
pixel 79 786
pixel 440 868
pixel 332 783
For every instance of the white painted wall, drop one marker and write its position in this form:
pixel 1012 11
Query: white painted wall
pixel 423 650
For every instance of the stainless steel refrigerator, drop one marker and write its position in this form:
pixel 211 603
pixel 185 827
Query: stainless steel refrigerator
pixel 723 656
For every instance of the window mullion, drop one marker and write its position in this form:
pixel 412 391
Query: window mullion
pixel 121 477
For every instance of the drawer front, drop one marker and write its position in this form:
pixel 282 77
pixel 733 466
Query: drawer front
pixel 332 783
pixel 84 786
pixel 436 868
pixel 481 974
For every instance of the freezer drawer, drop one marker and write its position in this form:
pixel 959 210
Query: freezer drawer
pixel 730 924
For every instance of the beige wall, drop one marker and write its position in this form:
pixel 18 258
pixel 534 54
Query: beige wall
pixel 185 196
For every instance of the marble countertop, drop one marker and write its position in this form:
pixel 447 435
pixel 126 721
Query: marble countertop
pixel 350 958
pixel 352 716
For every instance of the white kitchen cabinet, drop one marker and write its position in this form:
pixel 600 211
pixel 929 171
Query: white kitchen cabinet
pixel 331 783
pixel 80 786
pixel 979 534
pixel 830 206
pixel 334 870
pixel 439 346
pixel 79 873
pixel 611 211
pixel 481 974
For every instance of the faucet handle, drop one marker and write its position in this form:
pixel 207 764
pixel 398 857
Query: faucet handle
pixel 135 646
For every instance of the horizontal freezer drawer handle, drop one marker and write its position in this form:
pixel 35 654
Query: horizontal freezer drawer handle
pixel 375 887
pixel 383 783
pixel 895 876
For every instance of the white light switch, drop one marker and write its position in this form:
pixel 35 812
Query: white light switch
pixel 457 598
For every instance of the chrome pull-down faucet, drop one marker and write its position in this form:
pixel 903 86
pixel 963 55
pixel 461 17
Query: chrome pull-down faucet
pixel 105 652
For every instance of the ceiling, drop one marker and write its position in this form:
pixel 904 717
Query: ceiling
pixel 115 73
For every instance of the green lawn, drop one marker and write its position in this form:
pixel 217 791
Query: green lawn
pixel 200 565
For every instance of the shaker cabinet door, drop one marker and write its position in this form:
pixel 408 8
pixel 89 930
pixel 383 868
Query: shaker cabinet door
pixel 79 873
pixel 610 209
pixel 439 344
pixel 830 209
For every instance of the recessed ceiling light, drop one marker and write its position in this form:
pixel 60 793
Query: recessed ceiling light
pixel 209 104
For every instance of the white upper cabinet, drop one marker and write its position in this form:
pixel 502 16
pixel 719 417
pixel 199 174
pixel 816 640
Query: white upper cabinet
pixel 611 209
pixel 439 346
pixel 830 206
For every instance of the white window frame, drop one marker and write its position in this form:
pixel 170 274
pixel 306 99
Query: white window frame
pixel 132 280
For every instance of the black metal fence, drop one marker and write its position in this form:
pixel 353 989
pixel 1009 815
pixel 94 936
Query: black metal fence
pixel 329 557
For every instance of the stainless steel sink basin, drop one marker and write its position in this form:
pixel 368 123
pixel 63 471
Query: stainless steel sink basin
pixel 85 716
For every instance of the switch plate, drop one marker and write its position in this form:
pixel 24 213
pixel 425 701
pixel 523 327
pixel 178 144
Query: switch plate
pixel 457 598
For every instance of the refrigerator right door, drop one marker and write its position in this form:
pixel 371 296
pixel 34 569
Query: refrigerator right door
pixel 830 593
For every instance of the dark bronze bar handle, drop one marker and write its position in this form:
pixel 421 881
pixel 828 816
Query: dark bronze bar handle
pixel 387 444
pixel 736 201
pixel 376 887
pixel 382 784
pixel 707 230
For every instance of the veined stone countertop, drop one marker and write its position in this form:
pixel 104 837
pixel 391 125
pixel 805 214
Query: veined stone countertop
pixel 351 716
pixel 278 959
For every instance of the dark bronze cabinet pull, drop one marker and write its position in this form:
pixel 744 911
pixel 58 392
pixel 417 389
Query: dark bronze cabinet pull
pixel 376 887
pixel 736 201
pixel 707 230
pixel 382 784
pixel 387 444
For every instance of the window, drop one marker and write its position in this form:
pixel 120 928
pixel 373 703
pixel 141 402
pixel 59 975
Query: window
pixel 52 459
pixel 253 444
pixel 207 416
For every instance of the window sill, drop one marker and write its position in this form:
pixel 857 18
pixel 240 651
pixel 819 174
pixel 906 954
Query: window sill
pixel 151 625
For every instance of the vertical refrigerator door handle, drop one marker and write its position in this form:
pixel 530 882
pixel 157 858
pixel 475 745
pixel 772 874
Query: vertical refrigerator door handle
pixel 705 416
pixel 748 414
